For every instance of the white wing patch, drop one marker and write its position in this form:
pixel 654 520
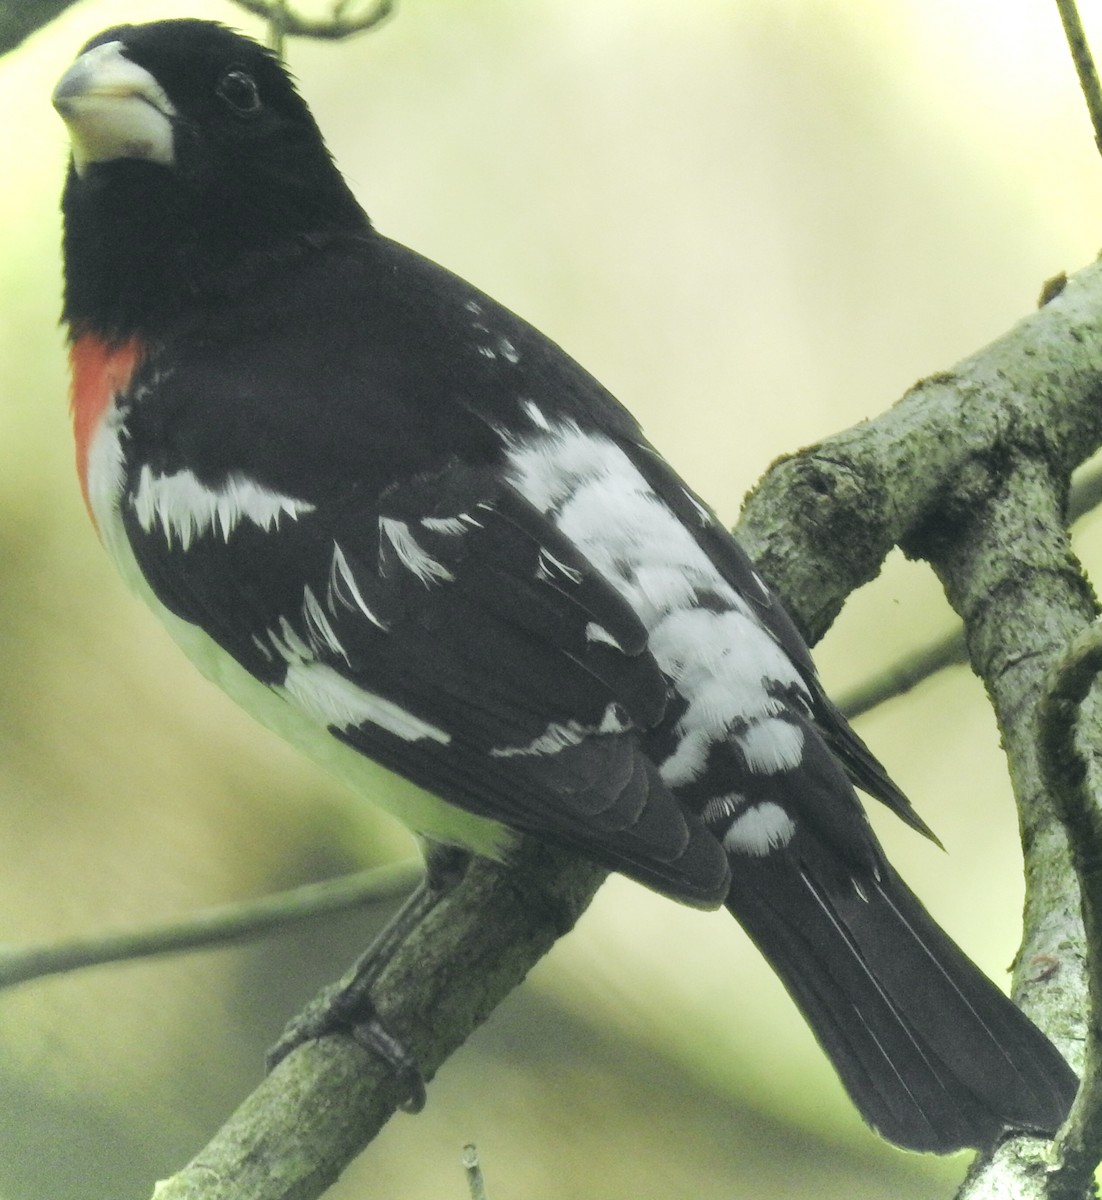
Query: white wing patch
pixel 452 526
pixel 760 830
pixel 598 633
pixel 324 694
pixel 319 632
pixel 772 745
pixel 547 566
pixel 185 508
pixel 343 589
pixel 535 415
pixel 722 660
pixel 334 700
pixel 558 736
pixel 411 554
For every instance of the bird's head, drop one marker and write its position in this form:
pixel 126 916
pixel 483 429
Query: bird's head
pixel 192 153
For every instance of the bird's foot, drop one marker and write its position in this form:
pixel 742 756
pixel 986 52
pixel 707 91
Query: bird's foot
pixel 345 1008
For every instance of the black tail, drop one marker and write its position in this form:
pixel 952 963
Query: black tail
pixel 935 1057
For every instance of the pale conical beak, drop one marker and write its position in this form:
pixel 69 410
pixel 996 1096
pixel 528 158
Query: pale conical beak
pixel 114 109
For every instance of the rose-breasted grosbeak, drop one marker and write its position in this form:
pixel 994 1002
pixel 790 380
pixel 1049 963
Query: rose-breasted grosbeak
pixel 402 527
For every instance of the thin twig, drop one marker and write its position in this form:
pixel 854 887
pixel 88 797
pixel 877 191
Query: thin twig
pixel 1078 1147
pixel 473 1168
pixel 277 28
pixel 213 926
pixel 1084 64
pixel 906 673
pixel 332 28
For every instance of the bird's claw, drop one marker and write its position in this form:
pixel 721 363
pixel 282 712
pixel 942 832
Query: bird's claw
pixel 331 1013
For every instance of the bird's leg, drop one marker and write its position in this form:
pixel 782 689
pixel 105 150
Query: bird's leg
pixel 346 1007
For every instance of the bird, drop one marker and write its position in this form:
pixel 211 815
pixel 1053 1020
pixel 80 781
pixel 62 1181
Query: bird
pixel 412 536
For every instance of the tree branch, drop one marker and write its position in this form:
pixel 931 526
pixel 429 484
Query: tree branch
pixel 1009 571
pixel 906 673
pixel 1084 64
pixel 20 18
pixel 288 23
pixel 475 1181
pixel 924 462
pixel 1078 1147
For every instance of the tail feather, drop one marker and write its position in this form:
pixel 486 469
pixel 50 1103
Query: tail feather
pixel 935 1057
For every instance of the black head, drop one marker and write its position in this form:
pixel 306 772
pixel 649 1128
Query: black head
pixel 194 160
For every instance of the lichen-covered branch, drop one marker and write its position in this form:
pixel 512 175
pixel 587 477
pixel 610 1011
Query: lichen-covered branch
pixel 822 521
pixel 1073 788
pixel 950 649
pixel 1010 572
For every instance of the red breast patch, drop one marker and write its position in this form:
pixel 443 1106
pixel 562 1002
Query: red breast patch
pixel 100 371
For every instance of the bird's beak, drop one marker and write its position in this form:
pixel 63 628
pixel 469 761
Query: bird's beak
pixel 114 109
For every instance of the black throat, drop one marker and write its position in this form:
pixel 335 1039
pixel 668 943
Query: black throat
pixel 145 247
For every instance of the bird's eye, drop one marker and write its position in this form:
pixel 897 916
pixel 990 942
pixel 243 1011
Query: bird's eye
pixel 238 89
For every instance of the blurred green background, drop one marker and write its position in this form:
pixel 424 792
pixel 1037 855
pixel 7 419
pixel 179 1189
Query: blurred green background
pixel 757 221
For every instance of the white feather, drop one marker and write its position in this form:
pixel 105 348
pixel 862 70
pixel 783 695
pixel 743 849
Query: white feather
pixel 772 745
pixel 535 414
pixel 186 508
pixel 334 700
pixel 725 663
pixel 411 554
pixel 598 633
pixel 760 830
pixel 343 589
pixel 558 736
pixel 321 634
pixel 453 526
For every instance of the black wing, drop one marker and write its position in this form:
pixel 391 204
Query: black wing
pixel 452 606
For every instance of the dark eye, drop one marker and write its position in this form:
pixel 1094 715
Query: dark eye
pixel 238 89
